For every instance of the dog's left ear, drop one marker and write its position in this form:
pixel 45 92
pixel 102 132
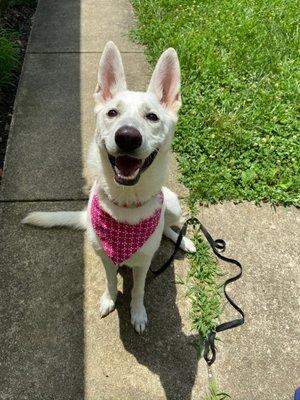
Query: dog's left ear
pixel 165 81
pixel 111 77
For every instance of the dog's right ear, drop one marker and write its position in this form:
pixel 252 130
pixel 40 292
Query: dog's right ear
pixel 111 77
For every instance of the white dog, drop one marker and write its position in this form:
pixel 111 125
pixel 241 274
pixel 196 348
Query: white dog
pixel 129 209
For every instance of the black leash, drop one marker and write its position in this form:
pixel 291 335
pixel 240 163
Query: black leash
pixel 218 246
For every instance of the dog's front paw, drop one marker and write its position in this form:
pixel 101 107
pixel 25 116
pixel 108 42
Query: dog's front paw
pixel 187 245
pixel 107 304
pixel 139 318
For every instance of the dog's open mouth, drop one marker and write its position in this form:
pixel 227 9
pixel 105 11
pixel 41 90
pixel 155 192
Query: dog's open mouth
pixel 128 169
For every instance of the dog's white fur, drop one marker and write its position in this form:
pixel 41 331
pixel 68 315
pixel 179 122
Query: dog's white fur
pixel 163 99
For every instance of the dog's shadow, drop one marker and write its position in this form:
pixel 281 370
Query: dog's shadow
pixel 163 348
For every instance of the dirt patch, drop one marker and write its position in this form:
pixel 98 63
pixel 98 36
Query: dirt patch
pixel 17 18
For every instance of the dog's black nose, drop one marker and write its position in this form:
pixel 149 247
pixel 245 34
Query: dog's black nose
pixel 128 138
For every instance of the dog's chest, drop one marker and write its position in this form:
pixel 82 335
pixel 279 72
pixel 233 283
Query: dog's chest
pixel 120 240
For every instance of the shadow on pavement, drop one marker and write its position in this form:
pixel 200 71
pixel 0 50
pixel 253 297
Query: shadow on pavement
pixel 163 348
pixel 42 272
pixel 42 331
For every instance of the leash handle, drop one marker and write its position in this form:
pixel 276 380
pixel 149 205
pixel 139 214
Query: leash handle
pixel 218 246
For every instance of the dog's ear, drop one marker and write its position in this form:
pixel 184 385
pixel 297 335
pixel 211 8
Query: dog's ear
pixel 165 81
pixel 111 77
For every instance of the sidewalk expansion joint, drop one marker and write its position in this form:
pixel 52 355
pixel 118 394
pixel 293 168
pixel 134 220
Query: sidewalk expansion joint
pixel 42 200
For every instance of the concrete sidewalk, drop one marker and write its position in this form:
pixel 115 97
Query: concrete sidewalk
pixel 55 345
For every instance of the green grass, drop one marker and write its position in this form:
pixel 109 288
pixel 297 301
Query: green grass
pixel 238 133
pixel 9 58
pixel 215 394
pixel 10 49
pixel 203 290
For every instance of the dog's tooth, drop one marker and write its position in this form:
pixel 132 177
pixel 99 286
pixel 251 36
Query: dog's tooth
pixel 128 178
pixel 135 173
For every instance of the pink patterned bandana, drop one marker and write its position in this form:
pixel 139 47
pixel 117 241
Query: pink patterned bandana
pixel 120 240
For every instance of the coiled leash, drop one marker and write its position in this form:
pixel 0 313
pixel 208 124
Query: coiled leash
pixel 218 246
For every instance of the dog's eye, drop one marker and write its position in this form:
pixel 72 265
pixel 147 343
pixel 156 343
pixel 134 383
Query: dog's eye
pixel 112 113
pixel 152 117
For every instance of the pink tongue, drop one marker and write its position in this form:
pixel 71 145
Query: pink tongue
pixel 128 165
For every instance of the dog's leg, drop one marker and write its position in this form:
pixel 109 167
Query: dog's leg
pixel 172 218
pixel 138 312
pixel 108 299
pixel 185 245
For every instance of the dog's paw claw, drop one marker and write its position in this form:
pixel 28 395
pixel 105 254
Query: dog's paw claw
pixel 107 304
pixel 187 245
pixel 139 318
